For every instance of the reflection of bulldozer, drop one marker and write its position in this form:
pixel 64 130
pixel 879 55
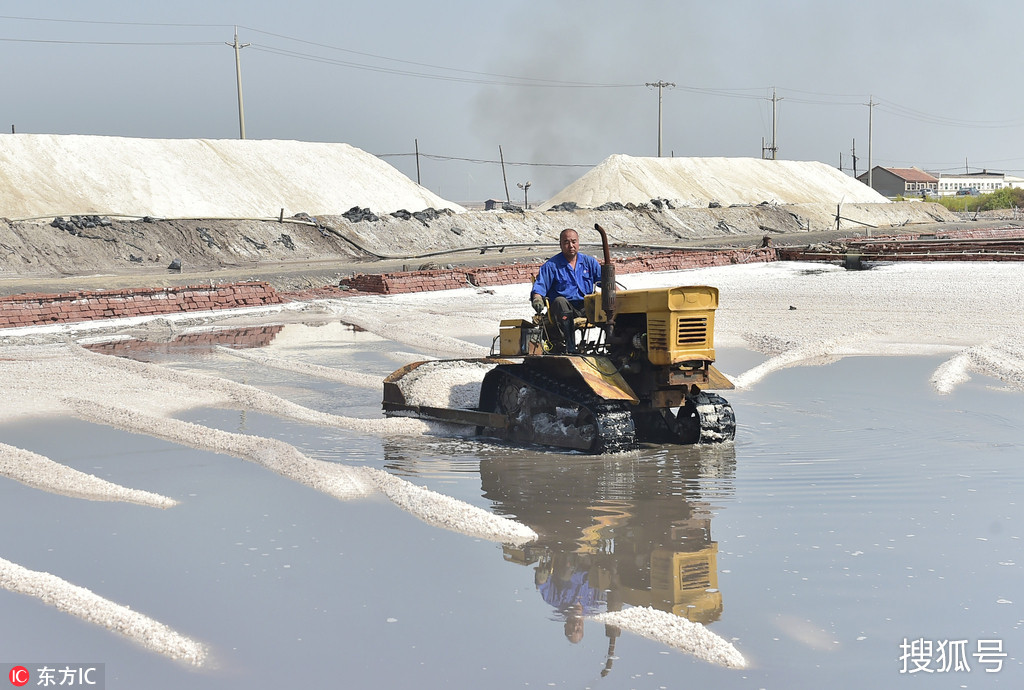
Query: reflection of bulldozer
pixel 618 532
pixel 683 583
pixel 641 531
pixel 641 373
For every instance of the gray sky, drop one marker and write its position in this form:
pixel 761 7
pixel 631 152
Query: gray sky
pixel 559 86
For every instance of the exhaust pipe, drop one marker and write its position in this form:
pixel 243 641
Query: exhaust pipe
pixel 607 279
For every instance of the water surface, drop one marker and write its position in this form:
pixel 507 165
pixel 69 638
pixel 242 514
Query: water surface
pixel 856 509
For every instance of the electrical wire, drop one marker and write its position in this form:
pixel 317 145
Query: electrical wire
pixel 424 70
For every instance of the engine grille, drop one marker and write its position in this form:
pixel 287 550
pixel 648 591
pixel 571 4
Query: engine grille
pixel 657 334
pixel 692 331
pixel 694 576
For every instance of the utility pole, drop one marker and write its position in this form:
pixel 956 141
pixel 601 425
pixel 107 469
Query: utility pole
pixel 238 78
pixel 774 147
pixel 660 85
pixel 416 143
pixel 871 112
pixel 504 177
pixel 854 152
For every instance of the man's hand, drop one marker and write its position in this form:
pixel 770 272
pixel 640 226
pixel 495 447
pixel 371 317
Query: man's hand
pixel 537 303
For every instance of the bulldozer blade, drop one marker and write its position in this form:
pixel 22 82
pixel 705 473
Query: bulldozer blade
pixel 717 381
pixel 601 377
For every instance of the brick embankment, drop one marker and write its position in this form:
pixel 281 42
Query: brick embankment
pixel 39 309
pixel 982 244
pixel 486 276
pixel 43 309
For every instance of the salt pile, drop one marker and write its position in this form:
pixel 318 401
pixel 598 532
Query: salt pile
pixel 348 378
pixel 700 181
pixel 689 637
pixel 43 473
pixel 450 513
pixel 46 175
pixel 445 383
pixel 90 607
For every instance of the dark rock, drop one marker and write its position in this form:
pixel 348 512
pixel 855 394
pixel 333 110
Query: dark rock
pixel 255 243
pixel 206 236
pixel 357 215
pixel 429 214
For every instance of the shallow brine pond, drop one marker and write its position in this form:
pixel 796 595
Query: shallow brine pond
pixel 861 528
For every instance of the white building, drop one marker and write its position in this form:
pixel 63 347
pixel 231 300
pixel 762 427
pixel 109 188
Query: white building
pixel 983 182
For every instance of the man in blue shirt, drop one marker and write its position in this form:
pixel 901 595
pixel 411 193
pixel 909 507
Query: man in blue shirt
pixel 565 279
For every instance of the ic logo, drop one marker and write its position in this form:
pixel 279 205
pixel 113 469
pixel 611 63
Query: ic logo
pixel 18 676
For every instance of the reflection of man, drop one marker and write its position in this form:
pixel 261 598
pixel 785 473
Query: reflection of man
pixel 565 279
pixel 564 582
pixel 574 623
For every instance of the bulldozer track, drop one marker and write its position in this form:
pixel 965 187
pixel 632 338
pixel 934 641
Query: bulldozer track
pixel 601 426
pixel 716 417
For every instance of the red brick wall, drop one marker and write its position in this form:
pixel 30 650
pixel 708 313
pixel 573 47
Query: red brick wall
pixel 40 309
pixel 35 309
pixel 416 281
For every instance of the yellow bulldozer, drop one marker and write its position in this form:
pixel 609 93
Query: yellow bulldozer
pixel 641 373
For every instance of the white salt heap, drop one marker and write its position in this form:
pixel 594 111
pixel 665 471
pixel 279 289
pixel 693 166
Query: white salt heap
pixel 348 378
pixel 86 605
pixel 699 181
pixel 49 174
pixel 43 473
pixel 443 511
pixel 445 383
pixel 667 628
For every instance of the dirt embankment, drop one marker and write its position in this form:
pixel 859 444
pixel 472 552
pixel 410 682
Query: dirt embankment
pixel 303 252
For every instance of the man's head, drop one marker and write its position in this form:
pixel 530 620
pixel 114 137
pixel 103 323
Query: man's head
pixel 569 241
pixel 574 623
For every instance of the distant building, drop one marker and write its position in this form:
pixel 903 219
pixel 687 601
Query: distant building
pixel 983 182
pixel 913 182
pixel 893 182
pixel 492 204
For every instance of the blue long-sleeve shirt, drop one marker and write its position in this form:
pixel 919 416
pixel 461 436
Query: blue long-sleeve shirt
pixel 557 278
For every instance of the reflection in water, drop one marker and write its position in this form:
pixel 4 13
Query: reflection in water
pixel 159 343
pixel 201 342
pixel 617 531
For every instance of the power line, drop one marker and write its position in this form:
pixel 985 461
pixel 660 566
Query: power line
pixel 109 43
pixel 489 78
pixel 475 78
pixel 439 77
pixel 483 160
pixel 110 23
pixel 531 80
pixel 920 116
